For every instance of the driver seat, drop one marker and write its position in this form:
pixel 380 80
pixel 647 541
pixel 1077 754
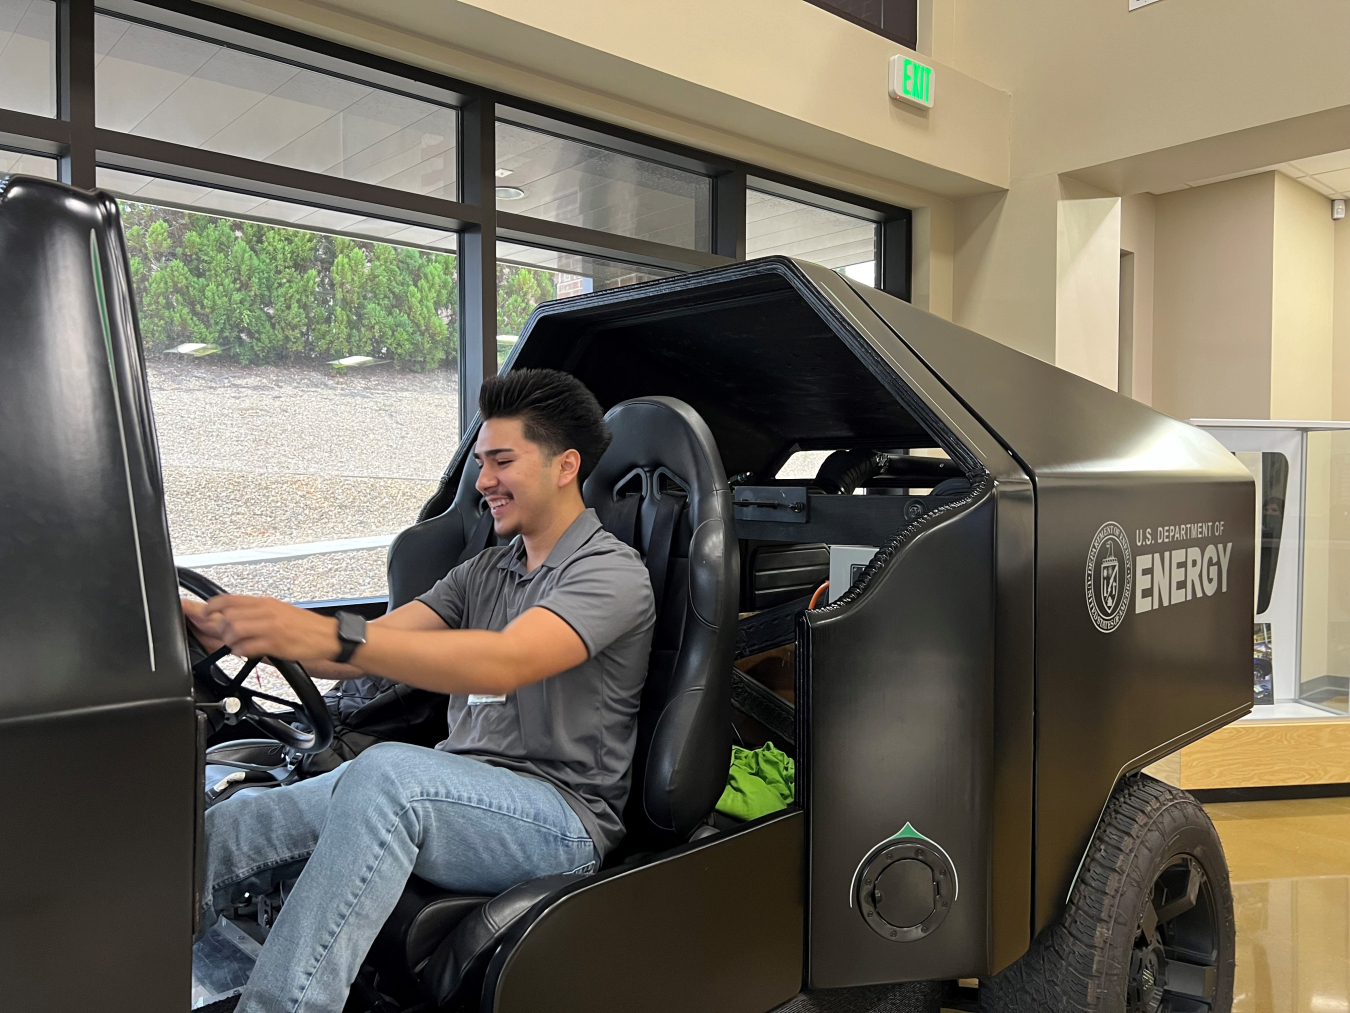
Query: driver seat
pixel 661 488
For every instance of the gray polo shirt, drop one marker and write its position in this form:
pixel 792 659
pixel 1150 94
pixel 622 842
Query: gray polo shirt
pixel 577 729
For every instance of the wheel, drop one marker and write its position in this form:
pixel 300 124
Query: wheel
pixel 1149 925
pixel 227 700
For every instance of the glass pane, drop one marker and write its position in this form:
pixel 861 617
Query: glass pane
pixel 28 56
pixel 21 163
pixel 305 392
pixel 528 276
pixel 843 243
pixel 156 83
pixel 563 180
pixel 1324 662
pixel 150 189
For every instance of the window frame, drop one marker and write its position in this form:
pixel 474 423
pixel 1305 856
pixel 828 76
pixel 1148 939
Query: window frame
pixel 74 138
pixel 906 10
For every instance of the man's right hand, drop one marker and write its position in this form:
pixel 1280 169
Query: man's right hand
pixel 194 613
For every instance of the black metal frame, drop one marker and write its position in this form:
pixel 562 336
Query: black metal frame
pixel 899 19
pixel 80 146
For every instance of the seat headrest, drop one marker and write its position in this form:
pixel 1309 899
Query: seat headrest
pixel 667 440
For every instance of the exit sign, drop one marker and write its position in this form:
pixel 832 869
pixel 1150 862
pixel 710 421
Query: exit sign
pixel 911 81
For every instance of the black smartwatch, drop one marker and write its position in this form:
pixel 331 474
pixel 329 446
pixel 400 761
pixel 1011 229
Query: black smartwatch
pixel 351 635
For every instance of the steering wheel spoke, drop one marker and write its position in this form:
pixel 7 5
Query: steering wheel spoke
pixel 256 694
pixel 244 673
pixel 202 668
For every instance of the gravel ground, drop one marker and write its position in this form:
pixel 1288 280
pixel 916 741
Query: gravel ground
pixel 314 578
pixel 210 511
pixel 376 422
pixel 271 455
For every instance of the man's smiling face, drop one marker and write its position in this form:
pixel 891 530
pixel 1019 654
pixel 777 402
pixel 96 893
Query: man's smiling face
pixel 517 479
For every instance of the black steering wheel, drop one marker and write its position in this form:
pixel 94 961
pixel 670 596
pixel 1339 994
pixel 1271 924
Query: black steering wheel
pixel 228 700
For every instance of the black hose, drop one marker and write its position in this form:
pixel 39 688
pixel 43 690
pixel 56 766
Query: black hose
pixel 846 470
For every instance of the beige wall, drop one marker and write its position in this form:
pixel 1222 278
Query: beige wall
pixel 1024 87
pixel 1212 299
pixel 1009 282
pixel 931 278
pixel 787 86
pixel 1137 221
pixel 1005 263
pixel 1243 301
pixel 1095 81
pixel 1302 297
pixel 1087 288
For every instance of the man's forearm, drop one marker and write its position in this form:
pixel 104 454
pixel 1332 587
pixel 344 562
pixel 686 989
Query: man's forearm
pixel 403 645
pixel 535 646
pixel 444 661
pixel 413 616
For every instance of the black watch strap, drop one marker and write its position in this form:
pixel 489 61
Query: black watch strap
pixel 351 635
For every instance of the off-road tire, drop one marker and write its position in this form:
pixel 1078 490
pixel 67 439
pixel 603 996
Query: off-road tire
pixel 1095 955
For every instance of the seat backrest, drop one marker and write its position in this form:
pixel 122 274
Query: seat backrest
pixel 661 487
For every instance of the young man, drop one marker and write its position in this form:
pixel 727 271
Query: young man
pixel 541 644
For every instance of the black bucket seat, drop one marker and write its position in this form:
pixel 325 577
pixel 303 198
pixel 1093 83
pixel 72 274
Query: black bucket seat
pixel 660 487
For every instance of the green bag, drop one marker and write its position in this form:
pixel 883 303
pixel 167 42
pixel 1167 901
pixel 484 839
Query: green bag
pixel 761 781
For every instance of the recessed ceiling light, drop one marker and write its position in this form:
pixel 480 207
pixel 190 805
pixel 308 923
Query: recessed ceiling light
pixel 503 173
pixel 509 193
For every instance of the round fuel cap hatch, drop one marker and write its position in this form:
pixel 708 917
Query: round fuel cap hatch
pixel 905 889
pixel 905 893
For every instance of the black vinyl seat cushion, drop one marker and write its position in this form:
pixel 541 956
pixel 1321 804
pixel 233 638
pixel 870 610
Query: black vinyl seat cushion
pixel 464 953
pixel 423 917
pixel 662 488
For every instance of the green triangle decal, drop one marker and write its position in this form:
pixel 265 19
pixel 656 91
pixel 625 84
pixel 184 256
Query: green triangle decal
pixel 909 831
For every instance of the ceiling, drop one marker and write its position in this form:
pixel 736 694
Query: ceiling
pixel 1328 174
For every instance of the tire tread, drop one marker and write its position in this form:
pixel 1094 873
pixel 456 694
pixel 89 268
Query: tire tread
pixel 1078 965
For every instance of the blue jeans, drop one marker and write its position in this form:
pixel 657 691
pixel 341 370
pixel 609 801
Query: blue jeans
pixel 359 832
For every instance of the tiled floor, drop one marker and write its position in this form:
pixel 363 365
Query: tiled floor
pixel 1290 868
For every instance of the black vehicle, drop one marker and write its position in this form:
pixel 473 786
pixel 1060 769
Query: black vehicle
pixel 1061 595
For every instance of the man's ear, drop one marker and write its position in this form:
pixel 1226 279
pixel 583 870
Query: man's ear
pixel 569 467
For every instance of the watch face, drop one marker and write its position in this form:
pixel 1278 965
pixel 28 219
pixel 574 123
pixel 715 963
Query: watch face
pixel 351 627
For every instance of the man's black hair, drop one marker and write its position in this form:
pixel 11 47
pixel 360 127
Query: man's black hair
pixel 556 411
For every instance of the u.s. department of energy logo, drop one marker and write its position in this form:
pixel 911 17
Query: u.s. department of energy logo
pixel 1110 576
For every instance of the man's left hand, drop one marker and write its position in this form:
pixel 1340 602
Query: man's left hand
pixel 254 627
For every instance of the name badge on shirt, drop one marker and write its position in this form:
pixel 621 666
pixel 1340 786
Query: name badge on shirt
pixel 479 698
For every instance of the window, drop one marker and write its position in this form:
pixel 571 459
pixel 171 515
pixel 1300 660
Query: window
pixel 159 84
pixel 528 276
pixel 302 332
pixel 28 56
pixel 304 389
pixel 895 19
pixel 562 180
pixel 843 243
pixel 22 163
pixel 190 195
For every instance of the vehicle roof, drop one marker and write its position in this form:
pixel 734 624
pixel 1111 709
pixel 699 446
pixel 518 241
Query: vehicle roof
pixel 762 350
